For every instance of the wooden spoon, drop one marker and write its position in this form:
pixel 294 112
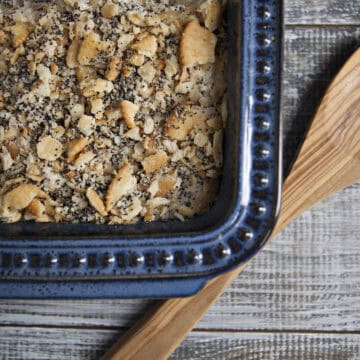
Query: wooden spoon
pixel 328 161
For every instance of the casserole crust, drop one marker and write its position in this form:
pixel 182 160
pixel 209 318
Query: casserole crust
pixel 110 112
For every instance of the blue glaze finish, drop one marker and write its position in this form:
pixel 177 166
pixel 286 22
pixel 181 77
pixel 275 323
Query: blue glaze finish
pixel 165 259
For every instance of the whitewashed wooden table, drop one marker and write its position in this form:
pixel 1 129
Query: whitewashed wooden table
pixel 299 299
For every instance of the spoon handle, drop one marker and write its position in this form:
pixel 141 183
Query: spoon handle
pixel 328 161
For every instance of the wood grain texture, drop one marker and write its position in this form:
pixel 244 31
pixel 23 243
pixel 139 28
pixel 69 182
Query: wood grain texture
pixel 82 344
pixel 328 161
pixel 335 12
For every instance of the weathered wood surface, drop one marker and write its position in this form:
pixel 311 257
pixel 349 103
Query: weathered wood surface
pixel 307 280
pixel 310 12
pixel 74 344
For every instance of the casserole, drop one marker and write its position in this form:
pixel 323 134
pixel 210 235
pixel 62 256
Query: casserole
pixel 175 258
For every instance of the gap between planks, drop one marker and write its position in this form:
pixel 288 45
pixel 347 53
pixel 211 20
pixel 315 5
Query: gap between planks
pixel 198 330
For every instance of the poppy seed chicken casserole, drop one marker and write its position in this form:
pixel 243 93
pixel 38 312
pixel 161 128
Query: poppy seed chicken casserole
pixel 110 111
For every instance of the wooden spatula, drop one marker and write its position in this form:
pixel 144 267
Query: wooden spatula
pixel 328 161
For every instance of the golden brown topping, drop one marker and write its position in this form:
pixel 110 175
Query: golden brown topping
pixel 136 19
pixel 86 124
pixel 122 184
pixel 54 68
pixel 96 201
pixel 129 111
pixel 20 197
pixel 49 148
pixel 165 183
pixel 72 54
pixel 20 32
pixel 2 102
pixel 211 13
pixel 75 147
pixel 97 87
pixel 72 127
pixel 36 210
pixel 137 59
pixel 155 162
pixel 89 48
pixel 114 68
pixel 109 10
pixel 178 127
pixel 146 46
pixel 84 158
pixel 197 46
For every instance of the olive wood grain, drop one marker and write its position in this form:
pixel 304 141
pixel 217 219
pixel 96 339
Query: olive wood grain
pixel 328 161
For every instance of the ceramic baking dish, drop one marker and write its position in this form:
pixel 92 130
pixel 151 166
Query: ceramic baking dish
pixel 175 258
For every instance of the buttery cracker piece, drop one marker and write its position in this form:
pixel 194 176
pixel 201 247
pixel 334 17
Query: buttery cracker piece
pixel 114 68
pixel 86 124
pixel 20 197
pixel 97 107
pixel 166 183
pixel 146 46
pixel 112 113
pixel 109 10
pixel 129 111
pixel 98 87
pixel 157 201
pixel 75 147
pixel 20 32
pixel 133 134
pixel 49 148
pixel 218 148
pixel 54 68
pixel 171 67
pixel 36 208
pixel 3 37
pixel 2 102
pixel 122 184
pixel 84 158
pixel 149 125
pixel 137 59
pixel 178 127
pixel 197 45
pixel 136 19
pixel 124 41
pixel 77 111
pixel 153 189
pixel 211 13
pixel 36 211
pixel 84 73
pixel 147 72
pixel 72 54
pixel 200 139
pixel 89 48
pixel 155 162
pixel 96 201
pixel 6 159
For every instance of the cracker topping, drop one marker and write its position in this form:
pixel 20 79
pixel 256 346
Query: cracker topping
pixel 111 111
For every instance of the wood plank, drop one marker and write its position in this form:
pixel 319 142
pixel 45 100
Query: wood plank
pixel 269 346
pixel 315 284
pixel 312 58
pixel 337 12
pixel 85 344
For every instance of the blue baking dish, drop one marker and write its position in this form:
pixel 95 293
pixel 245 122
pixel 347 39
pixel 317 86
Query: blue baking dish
pixel 173 258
